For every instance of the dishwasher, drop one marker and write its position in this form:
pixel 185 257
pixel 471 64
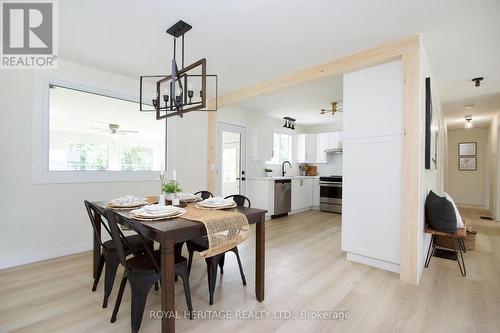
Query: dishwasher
pixel 282 197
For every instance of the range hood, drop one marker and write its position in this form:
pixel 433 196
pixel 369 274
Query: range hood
pixel 337 149
pixel 333 150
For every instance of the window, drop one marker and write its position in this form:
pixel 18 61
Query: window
pixel 85 156
pixel 282 148
pixel 134 158
pixel 92 132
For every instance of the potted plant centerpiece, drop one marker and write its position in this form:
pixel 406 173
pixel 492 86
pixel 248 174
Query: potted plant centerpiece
pixel 268 172
pixel 171 189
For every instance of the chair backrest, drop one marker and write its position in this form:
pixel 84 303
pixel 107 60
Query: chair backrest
pixel 96 215
pixel 240 200
pixel 120 240
pixel 204 194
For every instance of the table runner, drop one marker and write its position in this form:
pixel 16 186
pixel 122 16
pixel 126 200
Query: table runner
pixel 225 229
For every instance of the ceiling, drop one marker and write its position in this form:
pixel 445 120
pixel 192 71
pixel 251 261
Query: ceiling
pixel 248 42
pixel 302 102
pixel 483 109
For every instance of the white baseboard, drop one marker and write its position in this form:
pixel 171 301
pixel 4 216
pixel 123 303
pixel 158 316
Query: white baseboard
pixel 385 265
pixel 44 255
pixel 299 211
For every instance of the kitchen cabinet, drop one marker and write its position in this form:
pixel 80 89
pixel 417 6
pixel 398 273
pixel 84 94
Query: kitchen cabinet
pixel 310 148
pixel 261 194
pixel 305 193
pixel 260 141
pixel 373 132
pixel 322 143
pixel 301 193
pixel 334 140
pixel 315 192
pixel 305 148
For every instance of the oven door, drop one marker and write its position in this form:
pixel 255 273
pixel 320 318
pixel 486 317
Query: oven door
pixel 330 193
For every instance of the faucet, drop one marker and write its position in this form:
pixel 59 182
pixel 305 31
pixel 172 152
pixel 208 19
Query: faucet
pixel 283 168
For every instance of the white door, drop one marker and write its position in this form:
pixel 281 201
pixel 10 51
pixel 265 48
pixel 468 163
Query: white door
pixel 230 159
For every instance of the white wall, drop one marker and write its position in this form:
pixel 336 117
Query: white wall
pixel 496 193
pixel 49 220
pixel 432 179
pixel 372 137
pixel 493 148
pixel 190 150
pixel 468 187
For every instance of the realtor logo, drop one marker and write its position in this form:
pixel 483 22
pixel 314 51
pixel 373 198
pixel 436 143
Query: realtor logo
pixel 28 32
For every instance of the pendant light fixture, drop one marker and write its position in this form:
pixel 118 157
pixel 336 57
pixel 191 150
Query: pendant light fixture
pixel 184 90
pixel 289 123
pixel 334 108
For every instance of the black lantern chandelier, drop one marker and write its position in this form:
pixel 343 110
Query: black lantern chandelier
pixel 184 90
pixel 289 123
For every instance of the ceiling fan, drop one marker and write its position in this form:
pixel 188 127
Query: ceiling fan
pixel 113 129
pixel 334 109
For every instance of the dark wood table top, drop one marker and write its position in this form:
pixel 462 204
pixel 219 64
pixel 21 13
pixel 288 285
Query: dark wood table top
pixel 181 229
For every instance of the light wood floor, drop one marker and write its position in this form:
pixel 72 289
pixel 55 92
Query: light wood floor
pixel 305 271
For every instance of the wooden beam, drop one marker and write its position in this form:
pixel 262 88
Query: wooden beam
pixel 410 171
pixel 356 61
pixel 211 153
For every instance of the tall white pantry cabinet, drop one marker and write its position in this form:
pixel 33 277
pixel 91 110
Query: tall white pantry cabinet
pixel 372 139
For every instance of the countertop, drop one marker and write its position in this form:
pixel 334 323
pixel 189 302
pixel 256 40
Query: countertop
pixel 280 177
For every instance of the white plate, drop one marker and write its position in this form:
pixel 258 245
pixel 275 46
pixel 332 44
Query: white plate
pixel 166 212
pixel 213 202
pixel 201 206
pixel 127 201
pixel 156 218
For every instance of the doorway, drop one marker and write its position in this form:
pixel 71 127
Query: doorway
pixel 231 143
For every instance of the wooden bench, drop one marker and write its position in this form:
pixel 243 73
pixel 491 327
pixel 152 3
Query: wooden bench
pixel 457 239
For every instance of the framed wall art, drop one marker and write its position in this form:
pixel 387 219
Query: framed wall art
pixel 467 149
pixel 467 163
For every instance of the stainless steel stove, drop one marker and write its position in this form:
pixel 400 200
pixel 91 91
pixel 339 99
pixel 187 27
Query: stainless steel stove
pixel 330 194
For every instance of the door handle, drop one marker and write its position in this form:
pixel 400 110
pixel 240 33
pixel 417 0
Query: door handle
pixel 242 178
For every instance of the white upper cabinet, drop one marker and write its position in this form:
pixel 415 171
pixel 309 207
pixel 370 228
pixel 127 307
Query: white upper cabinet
pixel 305 148
pixel 310 148
pixel 334 140
pixel 260 141
pixel 322 143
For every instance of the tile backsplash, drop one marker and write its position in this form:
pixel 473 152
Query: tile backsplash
pixel 332 167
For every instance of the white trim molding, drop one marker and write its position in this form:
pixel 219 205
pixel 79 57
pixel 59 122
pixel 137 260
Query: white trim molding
pixel 40 139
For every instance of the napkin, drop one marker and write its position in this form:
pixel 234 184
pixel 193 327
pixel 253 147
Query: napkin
pixel 188 196
pixel 157 209
pixel 126 200
pixel 218 201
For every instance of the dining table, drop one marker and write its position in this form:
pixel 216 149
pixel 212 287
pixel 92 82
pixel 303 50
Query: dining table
pixel 169 232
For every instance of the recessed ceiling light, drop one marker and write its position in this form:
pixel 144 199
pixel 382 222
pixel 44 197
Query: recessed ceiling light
pixel 468 122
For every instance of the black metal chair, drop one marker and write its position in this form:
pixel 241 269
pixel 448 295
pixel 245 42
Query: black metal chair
pixel 204 194
pixel 141 271
pixel 240 200
pixel 201 244
pixel 109 256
